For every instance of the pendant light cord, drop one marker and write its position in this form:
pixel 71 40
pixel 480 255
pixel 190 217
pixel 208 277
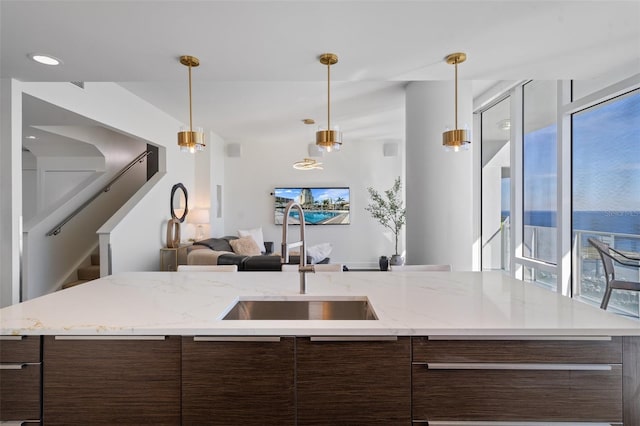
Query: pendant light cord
pixel 190 111
pixel 456 89
pixel 329 95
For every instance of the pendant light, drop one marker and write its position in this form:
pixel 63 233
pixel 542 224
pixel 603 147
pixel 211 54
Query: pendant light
pixel 307 164
pixel 456 139
pixel 190 140
pixel 329 139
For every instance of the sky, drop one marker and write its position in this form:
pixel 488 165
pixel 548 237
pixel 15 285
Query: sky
pixel 606 160
pixel 318 194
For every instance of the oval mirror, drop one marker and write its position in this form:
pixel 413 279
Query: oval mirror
pixel 179 202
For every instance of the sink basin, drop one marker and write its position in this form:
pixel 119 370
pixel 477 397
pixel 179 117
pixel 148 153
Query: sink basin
pixel 338 309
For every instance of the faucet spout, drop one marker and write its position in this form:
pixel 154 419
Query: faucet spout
pixel 303 268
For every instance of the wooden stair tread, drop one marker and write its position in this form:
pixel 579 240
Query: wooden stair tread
pixel 74 283
pixel 90 272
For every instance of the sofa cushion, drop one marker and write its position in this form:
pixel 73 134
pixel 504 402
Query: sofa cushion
pixel 231 259
pixel 204 257
pixel 246 246
pixel 256 234
pixel 295 259
pixel 217 244
pixel 261 263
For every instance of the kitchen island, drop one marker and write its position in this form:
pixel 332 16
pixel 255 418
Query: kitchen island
pixel 152 347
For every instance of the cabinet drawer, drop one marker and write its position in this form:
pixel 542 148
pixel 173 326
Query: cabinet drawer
pixel 20 349
pixel 518 394
pixel 439 349
pixel 19 392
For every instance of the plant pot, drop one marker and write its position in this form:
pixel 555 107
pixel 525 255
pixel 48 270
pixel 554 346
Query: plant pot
pixel 396 260
pixel 384 263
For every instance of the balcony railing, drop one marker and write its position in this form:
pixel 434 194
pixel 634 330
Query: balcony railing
pixel 588 273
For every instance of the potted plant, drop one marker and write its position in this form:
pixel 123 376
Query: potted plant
pixel 387 209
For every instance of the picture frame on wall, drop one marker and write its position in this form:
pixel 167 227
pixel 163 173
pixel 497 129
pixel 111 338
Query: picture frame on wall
pixel 321 205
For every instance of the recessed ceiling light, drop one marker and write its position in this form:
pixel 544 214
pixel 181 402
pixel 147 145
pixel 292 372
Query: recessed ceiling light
pixel 31 137
pixel 45 59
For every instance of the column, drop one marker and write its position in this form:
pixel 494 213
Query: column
pixel 439 192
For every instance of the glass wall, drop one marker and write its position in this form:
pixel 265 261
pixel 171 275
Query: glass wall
pixel 496 185
pixel 587 149
pixel 606 194
pixel 539 175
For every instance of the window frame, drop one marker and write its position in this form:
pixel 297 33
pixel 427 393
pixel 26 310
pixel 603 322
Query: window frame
pixel 566 106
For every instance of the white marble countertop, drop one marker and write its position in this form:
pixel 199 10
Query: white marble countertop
pixel 407 303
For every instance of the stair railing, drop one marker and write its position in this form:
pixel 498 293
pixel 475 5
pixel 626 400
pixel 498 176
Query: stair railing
pixel 56 229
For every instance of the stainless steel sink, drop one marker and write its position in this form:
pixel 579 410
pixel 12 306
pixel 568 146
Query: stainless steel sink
pixel 338 309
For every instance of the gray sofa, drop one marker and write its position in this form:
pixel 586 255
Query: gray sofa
pixel 220 252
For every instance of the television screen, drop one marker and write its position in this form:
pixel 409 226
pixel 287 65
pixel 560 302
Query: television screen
pixel 321 206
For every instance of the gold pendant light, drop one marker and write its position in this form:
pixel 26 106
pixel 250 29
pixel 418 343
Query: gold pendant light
pixel 456 139
pixel 307 164
pixel 190 140
pixel 329 139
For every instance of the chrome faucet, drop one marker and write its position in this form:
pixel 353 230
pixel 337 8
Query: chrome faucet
pixel 303 268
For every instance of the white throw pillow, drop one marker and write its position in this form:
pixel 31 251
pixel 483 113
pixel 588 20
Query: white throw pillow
pixel 256 234
pixel 319 252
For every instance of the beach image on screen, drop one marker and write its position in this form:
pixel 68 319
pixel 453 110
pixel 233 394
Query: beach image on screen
pixel 321 206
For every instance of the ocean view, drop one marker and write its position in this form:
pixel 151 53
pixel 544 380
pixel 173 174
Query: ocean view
pixel 620 229
pixel 615 222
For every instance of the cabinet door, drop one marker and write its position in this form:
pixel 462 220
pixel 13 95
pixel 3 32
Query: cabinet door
pixel 20 378
pixel 111 380
pixel 238 381
pixel 353 382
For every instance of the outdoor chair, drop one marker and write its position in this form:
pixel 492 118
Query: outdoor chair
pixel 609 257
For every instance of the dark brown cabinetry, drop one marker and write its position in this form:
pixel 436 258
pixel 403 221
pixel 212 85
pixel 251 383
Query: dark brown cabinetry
pixel 111 380
pixel 319 380
pixel 347 381
pixel 238 381
pixel 539 380
pixel 20 373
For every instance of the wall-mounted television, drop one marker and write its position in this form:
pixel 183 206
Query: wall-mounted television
pixel 321 205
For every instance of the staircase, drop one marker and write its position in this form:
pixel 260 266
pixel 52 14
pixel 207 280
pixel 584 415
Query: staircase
pixel 87 273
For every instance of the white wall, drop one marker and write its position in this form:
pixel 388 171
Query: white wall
pixel 136 237
pixel 439 183
pixel 10 190
pixel 209 171
pixel 29 185
pixel 251 178
pixel 48 261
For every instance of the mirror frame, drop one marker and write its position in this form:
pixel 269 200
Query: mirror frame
pixel 176 187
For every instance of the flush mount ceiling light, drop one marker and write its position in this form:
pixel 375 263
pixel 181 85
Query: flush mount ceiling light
pixel 456 139
pixel 329 139
pixel 44 59
pixel 190 140
pixel 307 164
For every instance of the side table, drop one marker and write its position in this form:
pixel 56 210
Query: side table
pixel 171 257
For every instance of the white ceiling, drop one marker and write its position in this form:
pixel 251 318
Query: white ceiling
pixel 259 73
